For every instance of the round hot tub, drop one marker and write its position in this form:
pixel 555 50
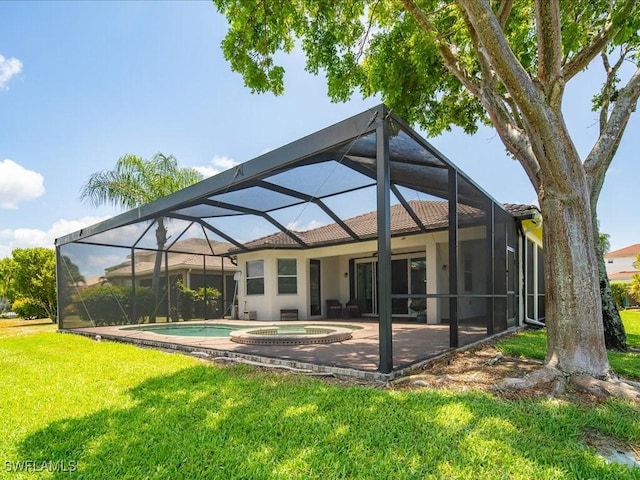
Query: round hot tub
pixel 291 335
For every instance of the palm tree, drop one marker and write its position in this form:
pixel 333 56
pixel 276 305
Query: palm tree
pixel 136 181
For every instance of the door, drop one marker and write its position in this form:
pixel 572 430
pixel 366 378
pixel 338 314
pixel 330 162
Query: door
pixel 408 275
pixel 315 305
pixel 366 287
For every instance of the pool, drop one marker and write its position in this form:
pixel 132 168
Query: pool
pixel 299 334
pixel 291 335
pixel 192 330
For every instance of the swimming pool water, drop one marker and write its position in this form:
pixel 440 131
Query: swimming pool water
pixel 194 330
pixel 220 330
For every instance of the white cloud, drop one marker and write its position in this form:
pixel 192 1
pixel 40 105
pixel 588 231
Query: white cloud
pixel 9 67
pixel 297 227
pixel 33 237
pixel 217 165
pixel 17 184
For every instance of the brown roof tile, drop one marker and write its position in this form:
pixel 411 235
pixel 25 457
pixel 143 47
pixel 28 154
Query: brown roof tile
pixel 630 251
pixel 199 246
pixel 433 214
pixel 623 276
pixel 520 209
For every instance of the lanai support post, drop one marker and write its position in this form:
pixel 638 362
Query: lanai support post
pixel 490 266
pixel 60 286
pixel 453 258
pixel 384 246
pixel 168 285
pixel 134 303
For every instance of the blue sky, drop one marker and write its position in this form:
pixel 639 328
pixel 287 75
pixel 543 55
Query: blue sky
pixel 82 83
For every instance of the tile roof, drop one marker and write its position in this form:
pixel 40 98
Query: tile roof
pixel 433 214
pixel 623 276
pixel 630 251
pixel 145 261
pixel 520 210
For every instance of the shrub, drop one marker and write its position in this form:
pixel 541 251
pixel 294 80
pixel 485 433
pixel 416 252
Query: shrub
pixel 28 308
pixel 186 301
pixel 634 288
pixel 111 305
pixel 105 305
pixel 619 293
pixel 206 301
pixel 145 302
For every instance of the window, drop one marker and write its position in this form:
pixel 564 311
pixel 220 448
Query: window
pixel 287 276
pixel 255 277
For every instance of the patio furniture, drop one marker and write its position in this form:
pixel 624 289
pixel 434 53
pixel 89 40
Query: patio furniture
pixel 288 314
pixel 352 308
pixel 334 309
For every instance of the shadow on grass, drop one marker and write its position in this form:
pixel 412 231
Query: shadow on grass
pixel 633 340
pixel 209 422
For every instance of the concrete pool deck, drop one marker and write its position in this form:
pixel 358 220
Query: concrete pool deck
pixel 413 344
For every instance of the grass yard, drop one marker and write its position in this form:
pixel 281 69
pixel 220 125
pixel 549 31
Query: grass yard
pixel 108 410
pixel 532 344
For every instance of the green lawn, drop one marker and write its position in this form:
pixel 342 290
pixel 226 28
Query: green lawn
pixel 532 344
pixel 110 410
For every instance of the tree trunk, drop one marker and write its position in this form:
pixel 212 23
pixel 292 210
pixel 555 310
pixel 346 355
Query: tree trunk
pixel 161 239
pixel 575 337
pixel 615 336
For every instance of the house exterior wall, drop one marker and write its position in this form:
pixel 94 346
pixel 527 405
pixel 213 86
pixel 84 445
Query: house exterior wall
pixel 333 281
pixel 619 264
pixel 335 274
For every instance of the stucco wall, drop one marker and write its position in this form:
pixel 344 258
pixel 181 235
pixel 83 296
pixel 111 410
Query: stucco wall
pixel 620 264
pixel 334 268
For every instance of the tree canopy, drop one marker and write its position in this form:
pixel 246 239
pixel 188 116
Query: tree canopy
pixel 33 281
pixel 135 181
pixel 468 62
pixel 7 276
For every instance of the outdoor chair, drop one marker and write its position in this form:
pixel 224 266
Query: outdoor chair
pixel 334 309
pixel 353 308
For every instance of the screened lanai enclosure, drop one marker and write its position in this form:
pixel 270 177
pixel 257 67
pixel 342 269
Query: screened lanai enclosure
pixel 363 221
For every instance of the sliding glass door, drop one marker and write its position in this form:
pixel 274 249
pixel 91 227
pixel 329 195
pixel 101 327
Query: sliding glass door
pixel 367 287
pixel 408 276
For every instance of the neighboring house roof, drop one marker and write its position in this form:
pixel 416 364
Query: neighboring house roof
pixel 630 251
pixel 623 276
pixel 145 261
pixel 434 215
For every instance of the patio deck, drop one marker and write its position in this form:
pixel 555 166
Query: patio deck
pixel 413 343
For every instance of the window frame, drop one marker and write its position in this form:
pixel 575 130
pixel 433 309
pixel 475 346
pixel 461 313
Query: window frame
pixel 289 276
pixel 256 280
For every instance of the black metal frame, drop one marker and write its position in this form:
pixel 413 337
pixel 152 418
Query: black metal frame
pixel 347 142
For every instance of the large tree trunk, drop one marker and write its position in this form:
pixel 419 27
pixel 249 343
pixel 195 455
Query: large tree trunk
pixel 575 337
pixel 161 239
pixel 615 336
